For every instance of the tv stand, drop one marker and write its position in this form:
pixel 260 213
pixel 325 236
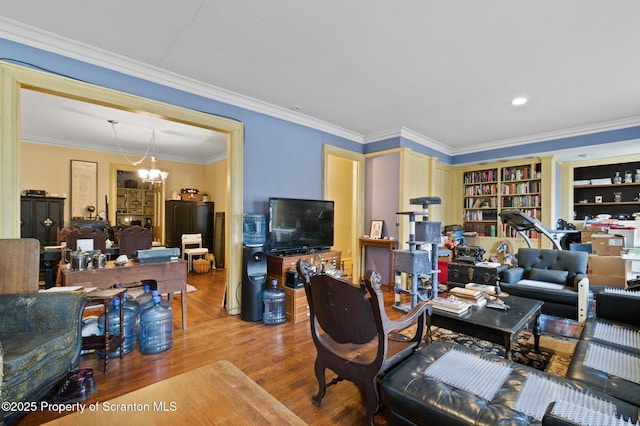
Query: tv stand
pixel 299 251
pixel 297 308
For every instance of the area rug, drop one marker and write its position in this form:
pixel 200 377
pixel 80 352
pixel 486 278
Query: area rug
pixel 548 359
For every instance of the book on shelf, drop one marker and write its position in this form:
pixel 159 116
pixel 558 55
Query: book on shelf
pixel 450 305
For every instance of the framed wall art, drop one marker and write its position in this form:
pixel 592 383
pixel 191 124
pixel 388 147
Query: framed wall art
pixel 84 188
pixel 376 229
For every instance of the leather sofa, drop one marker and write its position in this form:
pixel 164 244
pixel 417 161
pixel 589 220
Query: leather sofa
pixel 40 340
pixel 414 398
pixel 554 277
pixel 620 313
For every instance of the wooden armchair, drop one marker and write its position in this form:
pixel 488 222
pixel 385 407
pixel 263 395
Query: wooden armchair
pixel 350 330
pixel 87 233
pixel 134 238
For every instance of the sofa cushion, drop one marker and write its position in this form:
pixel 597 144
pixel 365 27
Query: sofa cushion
pixel 417 398
pixel 549 275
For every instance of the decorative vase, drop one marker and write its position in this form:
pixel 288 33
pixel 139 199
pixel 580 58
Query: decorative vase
pixel 637 179
pixel 617 178
pixel 628 177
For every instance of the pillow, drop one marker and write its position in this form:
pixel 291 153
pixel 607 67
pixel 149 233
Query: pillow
pixel 549 275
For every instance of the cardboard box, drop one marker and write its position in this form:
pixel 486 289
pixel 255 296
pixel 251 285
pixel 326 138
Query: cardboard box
pixel 606 271
pixel 585 236
pixel 630 235
pixel 607 245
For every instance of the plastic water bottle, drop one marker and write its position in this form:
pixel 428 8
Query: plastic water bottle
pixel 149 304
pixel 156 328
pixel 145 296
pixel 130 303
pixel 274 303
pixel 114 328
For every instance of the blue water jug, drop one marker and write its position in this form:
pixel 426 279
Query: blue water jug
pixel 130 303
pixel 114 328
pixel 274 304
pixel 145 296
pixel 156 328
pixel 149 304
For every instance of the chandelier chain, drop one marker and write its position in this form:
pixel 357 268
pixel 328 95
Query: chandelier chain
pixel 115 138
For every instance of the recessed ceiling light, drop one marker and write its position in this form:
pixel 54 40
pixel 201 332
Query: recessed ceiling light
pixel 519 101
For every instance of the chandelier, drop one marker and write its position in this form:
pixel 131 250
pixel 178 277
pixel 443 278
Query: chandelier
pixel 152 175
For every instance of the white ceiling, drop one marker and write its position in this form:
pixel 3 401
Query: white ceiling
pixel 55 120
pixel 445 70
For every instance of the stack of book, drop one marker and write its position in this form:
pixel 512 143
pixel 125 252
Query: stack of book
pixel 491 289
pixel 468 295
pixel 450 305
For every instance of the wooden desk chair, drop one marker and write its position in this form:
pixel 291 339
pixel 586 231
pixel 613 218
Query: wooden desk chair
pixel 350 330
pixel 192 246
pixel 73 234
pixel 134 238
pixel 19 266
pixel 87 233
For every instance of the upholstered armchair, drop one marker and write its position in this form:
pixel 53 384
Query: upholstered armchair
pixel 40 332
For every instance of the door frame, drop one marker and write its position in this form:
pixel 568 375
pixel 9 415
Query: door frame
pixel 13 78
pixel 358 188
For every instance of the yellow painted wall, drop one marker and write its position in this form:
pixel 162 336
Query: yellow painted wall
pixel 215 175
pixel 47 167
pixel 341 178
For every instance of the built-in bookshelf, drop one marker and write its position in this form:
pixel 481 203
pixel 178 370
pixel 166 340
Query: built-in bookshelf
pixel 488 191
pixel 612 189
pixel 481 201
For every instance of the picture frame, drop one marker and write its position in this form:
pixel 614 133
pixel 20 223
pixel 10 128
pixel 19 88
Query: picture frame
pixel 376 229
pixel 84 187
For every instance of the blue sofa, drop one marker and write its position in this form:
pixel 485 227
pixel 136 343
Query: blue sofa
pixel 554 277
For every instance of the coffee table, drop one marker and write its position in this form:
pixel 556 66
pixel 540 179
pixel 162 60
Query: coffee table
pixel 493 325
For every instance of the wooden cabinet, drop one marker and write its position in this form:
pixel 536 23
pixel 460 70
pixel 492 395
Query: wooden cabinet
pixel 490 190
pixel 595 191
pixel 297 308
pixel 189 217
pixel 40 218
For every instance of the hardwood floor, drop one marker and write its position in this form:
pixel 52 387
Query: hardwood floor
pixel 279 358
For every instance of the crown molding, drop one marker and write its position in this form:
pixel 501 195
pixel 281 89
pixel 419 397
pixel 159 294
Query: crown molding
pixel 549 136
pixel 54 43
pixel 404 132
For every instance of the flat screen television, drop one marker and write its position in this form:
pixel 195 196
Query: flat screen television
pixel 299 226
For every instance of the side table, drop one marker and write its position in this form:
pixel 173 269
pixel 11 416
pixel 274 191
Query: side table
pixel 108 342
pixel 391 245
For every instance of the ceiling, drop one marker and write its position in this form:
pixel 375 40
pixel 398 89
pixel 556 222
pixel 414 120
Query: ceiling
pixel 445 70
pixel 55 120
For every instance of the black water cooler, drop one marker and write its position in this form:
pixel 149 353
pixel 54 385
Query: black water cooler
pixel 254 278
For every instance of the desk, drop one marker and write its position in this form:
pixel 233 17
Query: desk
pixel 391 245
pixel 171 276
